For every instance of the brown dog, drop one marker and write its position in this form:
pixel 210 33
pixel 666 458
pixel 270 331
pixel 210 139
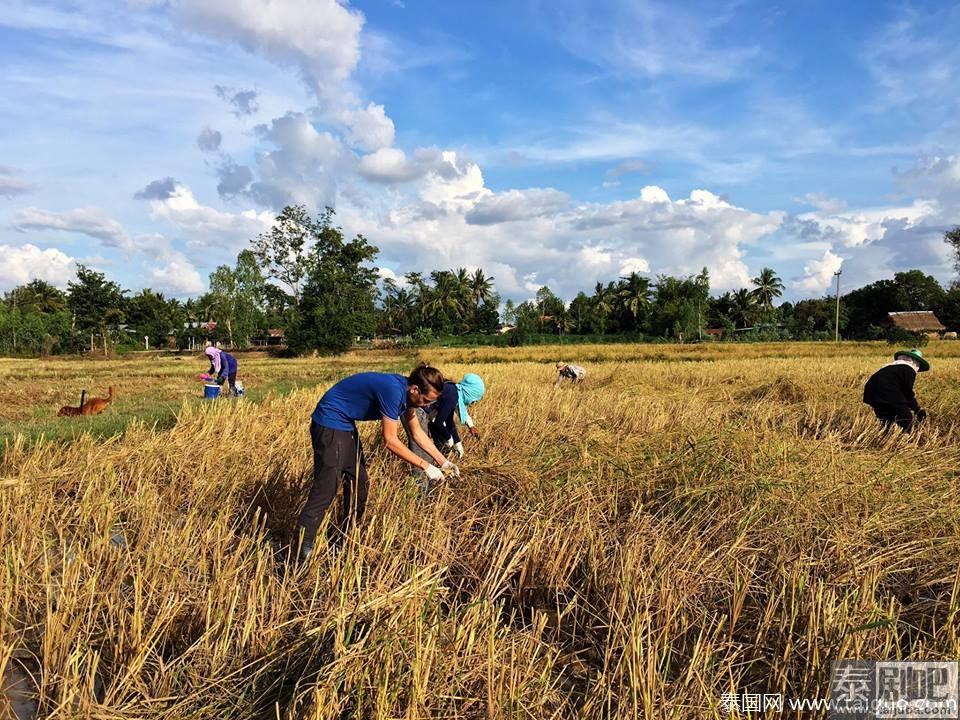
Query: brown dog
pixel 93 406
pixel 69 410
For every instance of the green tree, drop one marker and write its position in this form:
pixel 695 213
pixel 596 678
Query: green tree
pixel 237 295
pixel 38 296
pixel 814 318
pixel 680 305
pixel 487 315
pixel 464 289
pixel 444 305
pixel 481 293
pixel 767 288
pixel 223 292
pixel 580 312
pixel 278 307
pixel 949 309
pixel 34 321
pixel 528 318
pixel 634 295
pixel 603 301
pixel 338 299
pixel 419 289
pixel 867 306
pixel 285 253
pixel 96 304
pixel 919 291
pixel 481 286
pixel 744 310
pixel 551 309
pixel 150 314
pixel 952 238
pixel 721 311
pixel 509 312
pixel 399 308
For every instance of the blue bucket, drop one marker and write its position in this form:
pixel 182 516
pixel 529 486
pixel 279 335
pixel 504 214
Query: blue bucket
pixel 211 391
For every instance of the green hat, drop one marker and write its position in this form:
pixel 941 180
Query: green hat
pixel 915 355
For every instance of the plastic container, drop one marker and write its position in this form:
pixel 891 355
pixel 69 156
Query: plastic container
pixel 238 389
pixel 211 391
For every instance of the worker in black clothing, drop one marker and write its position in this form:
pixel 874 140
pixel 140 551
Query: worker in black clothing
pixel 889 391
pixel 439 422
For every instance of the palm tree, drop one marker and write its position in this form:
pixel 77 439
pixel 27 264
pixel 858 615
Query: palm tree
pixel 462 276
pixel 38 296
pixel 414 279
pixel 399 307
pixel 419 291
pixel 464 294
pixel 444 298
pixel 603 299
pixel 744 305
pixel 404 305
pixel 634 293
pixel 768 287
pixel 481 287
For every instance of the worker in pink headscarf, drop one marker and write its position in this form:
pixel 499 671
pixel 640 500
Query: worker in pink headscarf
pixel 223 366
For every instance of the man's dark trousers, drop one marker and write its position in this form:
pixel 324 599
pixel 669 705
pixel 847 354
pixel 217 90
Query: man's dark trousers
pixel 890 415
pixel 336 454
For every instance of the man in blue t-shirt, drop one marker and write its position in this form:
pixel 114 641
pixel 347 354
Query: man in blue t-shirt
pixel 337 451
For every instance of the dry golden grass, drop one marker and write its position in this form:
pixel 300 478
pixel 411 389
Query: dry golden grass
pixel 632 547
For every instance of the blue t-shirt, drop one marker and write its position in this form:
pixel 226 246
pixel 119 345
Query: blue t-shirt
pixel 364 396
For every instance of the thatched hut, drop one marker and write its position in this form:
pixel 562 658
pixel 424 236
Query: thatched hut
pixel 917 321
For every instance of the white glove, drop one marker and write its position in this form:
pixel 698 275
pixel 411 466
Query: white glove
pixel 459 448
pixel 451 468
pixel 450 442
pixel 433 472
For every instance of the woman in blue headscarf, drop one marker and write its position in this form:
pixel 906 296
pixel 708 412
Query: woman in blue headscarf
pixel 438 421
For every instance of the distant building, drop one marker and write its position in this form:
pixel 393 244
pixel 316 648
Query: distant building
pixel 714 333
pixel 270 337
pixel 917 321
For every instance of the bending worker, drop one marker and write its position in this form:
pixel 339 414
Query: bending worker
pixel 566 371
pixel 438 419
pixel 337 452
pixel 223 365
pixel 889 391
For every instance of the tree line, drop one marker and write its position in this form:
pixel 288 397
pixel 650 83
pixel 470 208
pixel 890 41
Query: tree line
pixel 304 277
pixel 683 309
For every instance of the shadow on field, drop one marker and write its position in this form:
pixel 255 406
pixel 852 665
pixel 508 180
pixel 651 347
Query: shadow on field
pixel 273 502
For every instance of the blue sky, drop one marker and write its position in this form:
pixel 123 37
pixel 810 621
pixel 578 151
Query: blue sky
pixel 555 143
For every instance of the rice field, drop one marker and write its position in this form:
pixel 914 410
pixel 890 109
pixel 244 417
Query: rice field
pixel 690 521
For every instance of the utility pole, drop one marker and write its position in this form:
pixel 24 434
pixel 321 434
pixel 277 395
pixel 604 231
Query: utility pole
pixel 836 322
pixel 699 323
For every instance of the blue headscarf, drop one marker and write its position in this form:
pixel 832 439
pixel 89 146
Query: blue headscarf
pixel 469 390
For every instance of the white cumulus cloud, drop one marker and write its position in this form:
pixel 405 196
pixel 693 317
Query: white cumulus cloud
pixel 19 264
pixel 818 273
pixel 369 127
pixel 177 276
pixel 320 37
pixel 517 205
pixel 204 225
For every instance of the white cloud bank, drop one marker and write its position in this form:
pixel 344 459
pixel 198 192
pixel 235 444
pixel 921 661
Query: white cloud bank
pixel 874 243
pixel 19 264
